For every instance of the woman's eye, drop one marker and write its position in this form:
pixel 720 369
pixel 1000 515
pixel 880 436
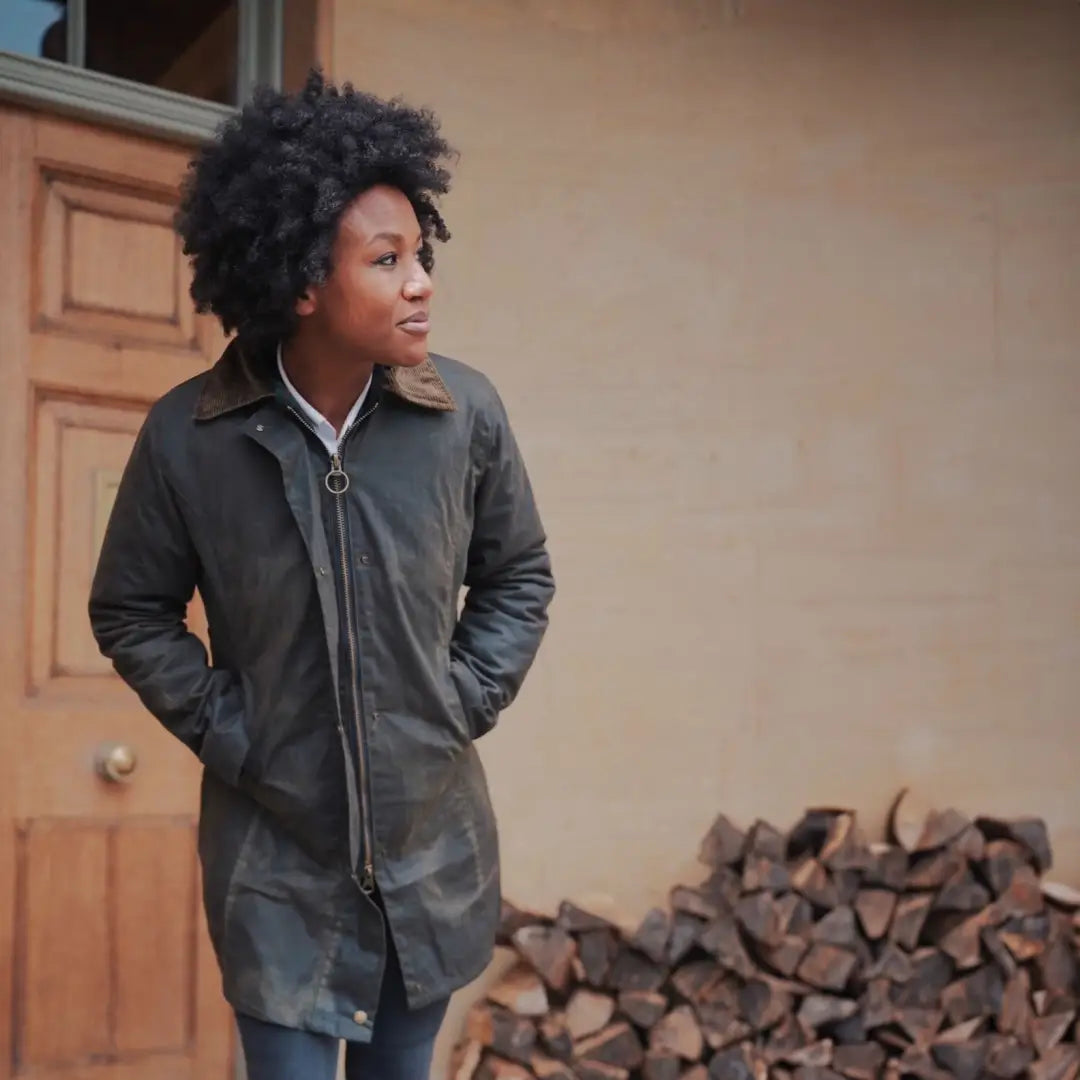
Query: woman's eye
pixel 389 259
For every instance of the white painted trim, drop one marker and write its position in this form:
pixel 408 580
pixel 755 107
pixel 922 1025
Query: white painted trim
pixel 90 95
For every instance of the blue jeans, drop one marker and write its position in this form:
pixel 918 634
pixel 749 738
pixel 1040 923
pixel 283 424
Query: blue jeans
pixel 401 1047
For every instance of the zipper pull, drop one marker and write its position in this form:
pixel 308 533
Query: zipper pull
pixel 337 479
pixel 367 879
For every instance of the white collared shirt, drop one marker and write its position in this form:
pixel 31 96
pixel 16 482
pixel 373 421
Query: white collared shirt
pixel 323 428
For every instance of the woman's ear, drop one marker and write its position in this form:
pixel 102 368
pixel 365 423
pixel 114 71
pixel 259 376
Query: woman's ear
pixel 306 304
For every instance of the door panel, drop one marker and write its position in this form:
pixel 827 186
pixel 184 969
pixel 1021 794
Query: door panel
pixel 102 939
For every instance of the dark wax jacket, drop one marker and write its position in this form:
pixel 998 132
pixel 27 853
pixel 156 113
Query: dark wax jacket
pixel 337 714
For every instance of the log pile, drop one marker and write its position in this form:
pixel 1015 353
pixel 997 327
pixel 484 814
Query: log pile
pixel 810 955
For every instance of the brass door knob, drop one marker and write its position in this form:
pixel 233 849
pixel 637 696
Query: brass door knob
pixel 116 762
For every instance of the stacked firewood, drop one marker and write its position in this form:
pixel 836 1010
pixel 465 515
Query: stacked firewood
pixel 810 955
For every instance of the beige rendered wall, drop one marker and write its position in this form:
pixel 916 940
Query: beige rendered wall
pixel 784 299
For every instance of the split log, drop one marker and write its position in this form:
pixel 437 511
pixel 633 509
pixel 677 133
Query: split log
pixel 812 880
pixel 723 886
pixel 892 963
pixel 814 1055
pixel 1025 937
pixel 721 1025
pixel 940 829
pixel 1007 1057
pixel 1057 968
pixel 1002 860
pixel 931 972
pixel 737 1063
pixel 887 867
pixel 845 847
pixel 521 991
pixel 599 1070
pixel 507 1035
pixel 1014 1014
pixel 962 893
pixel 785 957
pixel 651 937
pixel 759 915
pixel 694 902
pixel 678 1034
pixel 631 970
pixel 696 981
pixel 597 950
pixel 877 1006
pixel 817 1010
pixel 991 940
pixel 837 928
pixel 555 1036
pixel 874 908
pixel 1061 1063
pixel 549 950
pixel 721 938
pixel 513 918
pixel 971 844
pixel 685 931
pixel 788 1036
pixel 919 1024
pixel 908 920
pixel 661 1067
pixel 963 1060
pixel 977 994
pixel 908 818
pixel 618 1045
pixel 935 870
pixel 827 967
pixel 723 844
pixel 795 913
pixel 766 841
pixel 859 1061
pixel 1029 832
pixel 765 874
pixel 643 1007
pixel 763 1004
pixel 1048 1031
pixel 962 1032
pixel 577 920
pixel 587 1012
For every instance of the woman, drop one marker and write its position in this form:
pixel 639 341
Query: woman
pixel 330 488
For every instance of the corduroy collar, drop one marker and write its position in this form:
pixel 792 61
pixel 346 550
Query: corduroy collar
pixel 241 378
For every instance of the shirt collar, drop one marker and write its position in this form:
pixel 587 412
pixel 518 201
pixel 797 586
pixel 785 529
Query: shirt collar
pixel 323 426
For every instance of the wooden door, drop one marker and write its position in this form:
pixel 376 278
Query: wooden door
pixel 102 943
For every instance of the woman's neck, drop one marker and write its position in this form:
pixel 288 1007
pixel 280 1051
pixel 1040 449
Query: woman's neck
pixel 329 381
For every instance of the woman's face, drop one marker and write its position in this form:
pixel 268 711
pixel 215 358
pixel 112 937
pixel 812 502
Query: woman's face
pixel 377 299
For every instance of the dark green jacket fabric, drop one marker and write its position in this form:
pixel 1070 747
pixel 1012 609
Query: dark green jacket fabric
pixel 337 714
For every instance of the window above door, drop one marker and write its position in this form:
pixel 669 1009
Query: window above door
pixel 158 65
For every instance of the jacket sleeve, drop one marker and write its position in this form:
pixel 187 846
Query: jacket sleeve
pixel 146 575
pixel 509 582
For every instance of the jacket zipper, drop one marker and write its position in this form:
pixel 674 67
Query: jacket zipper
pixel 337 483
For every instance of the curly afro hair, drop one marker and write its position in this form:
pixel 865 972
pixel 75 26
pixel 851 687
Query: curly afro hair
pixel 260 205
